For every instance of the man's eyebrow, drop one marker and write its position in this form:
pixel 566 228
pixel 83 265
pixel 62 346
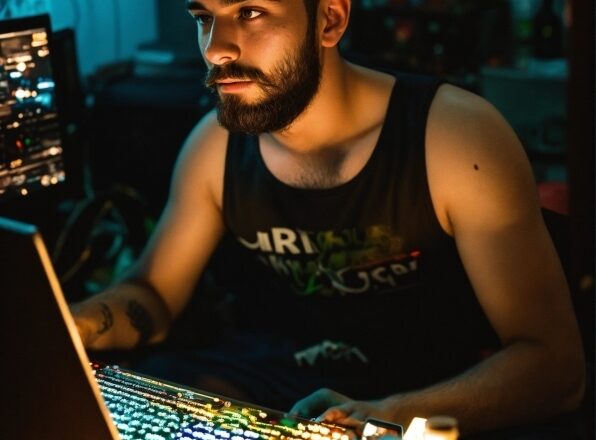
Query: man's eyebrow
pixel 193 5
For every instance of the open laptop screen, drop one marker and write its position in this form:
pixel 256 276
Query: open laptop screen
pixel 51 392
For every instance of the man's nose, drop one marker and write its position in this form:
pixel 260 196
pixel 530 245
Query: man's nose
pixel 222 46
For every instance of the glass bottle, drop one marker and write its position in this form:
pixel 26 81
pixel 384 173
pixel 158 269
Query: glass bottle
pixel 441 428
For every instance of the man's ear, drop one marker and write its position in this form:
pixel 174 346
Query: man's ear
pixel 334 16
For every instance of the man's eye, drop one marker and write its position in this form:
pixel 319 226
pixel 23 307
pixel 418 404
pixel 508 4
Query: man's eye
pixel 249 14
pixel 203 19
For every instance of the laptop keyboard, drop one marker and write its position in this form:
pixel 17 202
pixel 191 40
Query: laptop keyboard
pixel 145 408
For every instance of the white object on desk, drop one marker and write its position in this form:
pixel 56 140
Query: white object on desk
pixel 415 430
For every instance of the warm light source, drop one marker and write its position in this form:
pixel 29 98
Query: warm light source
pixel 415 430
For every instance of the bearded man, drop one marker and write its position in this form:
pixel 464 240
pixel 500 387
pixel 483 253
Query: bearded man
pixel 391 221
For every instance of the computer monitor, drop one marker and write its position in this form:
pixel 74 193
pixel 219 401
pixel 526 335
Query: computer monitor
pixel 42 136
pixel 31 145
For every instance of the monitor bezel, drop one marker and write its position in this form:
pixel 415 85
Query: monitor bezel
pixel 41 205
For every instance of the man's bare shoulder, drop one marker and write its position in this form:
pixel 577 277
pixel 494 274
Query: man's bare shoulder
pixel 202 158
pixel 207 135
pixel 473 156
pixel 464 116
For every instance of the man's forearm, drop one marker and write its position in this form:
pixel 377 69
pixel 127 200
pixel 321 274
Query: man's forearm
pixel 517 385
pixel 129 314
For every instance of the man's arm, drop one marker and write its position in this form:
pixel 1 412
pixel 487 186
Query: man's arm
pixel 139 309
pixel 484 195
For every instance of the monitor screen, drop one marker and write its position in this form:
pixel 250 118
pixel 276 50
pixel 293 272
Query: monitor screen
pixel 31 147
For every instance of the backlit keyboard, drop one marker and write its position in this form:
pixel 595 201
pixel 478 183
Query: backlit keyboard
pixel 145 408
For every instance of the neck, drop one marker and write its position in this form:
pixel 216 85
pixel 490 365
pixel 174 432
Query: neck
pixel 335 116
pixel 329 112
pixel 334 137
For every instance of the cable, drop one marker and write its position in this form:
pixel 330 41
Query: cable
pixel 87 171
pixel 87 253
pixel 70 223
pixel 101 226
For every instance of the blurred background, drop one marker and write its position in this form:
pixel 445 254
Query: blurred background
pixel 140 70
pixel 129 76
pixel 129 89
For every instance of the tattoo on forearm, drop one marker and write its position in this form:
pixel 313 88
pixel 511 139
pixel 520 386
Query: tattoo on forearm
pixel 108 318
pixel 141 320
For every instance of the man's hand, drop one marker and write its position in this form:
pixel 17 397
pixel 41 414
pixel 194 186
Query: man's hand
pixel 85 330
pixel 330 406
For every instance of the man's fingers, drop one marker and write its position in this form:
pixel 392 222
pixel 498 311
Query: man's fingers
pixel 318 402
pixel 312 404
pixel 332 415
pixel 346 417
pixel 349 422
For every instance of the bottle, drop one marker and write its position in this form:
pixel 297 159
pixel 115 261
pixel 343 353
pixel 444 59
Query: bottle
pixel 441 428
pixel 547 32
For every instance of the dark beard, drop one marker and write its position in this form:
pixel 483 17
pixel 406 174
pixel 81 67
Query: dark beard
pixel 288 90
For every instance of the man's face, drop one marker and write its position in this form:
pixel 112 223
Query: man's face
pixel 264 78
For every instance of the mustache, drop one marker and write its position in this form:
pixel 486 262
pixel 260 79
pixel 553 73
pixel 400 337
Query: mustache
pixel 235 70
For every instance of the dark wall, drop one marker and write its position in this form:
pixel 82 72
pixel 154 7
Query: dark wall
pixel 582 143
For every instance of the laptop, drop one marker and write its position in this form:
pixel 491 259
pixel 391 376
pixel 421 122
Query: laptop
pixel 52 393
pixel 55 392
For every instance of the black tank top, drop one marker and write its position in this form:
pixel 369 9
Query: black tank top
pixel 366 263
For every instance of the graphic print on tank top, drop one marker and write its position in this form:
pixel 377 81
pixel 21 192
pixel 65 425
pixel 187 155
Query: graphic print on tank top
pixel 366 236
pixel 332 262
pixel 349 269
